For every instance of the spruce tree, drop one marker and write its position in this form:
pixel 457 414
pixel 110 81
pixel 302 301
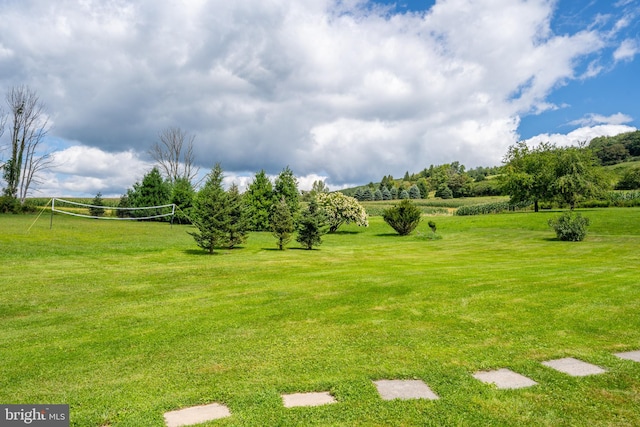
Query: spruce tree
pixel 96 208
pixel 210 212
pixel 310 226
pixel 286 185
pixel 238 225
pixel 281 222
pixel 259 199
pixel 414 192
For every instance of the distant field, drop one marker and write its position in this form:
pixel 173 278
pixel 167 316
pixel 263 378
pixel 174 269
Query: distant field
pixel 126 320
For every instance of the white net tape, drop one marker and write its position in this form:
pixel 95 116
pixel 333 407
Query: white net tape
pixel 84 210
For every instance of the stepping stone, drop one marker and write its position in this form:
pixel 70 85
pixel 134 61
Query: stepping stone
pixel 504 379
pixel 574 367
pixel 307 399
pixel 630 355
pixel 404 389
pixel 196 415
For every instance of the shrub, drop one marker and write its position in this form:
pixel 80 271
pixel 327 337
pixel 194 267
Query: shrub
pixel 403 218
pixel 570 226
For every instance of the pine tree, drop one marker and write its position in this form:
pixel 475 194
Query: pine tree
pixel 210 212
pixel 414 192
pixel 96 209
pixel 182 195
pixel 310 226
pixel 152 191
pixel 386 194
pixel 238 225
pixel 259 199
pixel 286 185
pixel 281 222
pixel 377 195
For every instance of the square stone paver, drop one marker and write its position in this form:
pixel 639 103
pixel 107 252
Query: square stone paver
pixel 404 389
pixel 196 415
pixel 307 399
pixel 504 379
pixel 630 355
pixel 574 367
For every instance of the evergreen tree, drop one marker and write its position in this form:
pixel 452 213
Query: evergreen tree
pixel 386 194
pixel 404 194
pixel 358 195
pixel 286 185
pixel 152 191
pixel 281 222
pixel 210 212
pixel 403 218
pixel 377 195
pixel 237 228
pixel 310 226
pixel 259 199
pixel 444 192
pixel 182 195
pixel 414 192
pixel 96 209
pixel 367 195
pixel 394 193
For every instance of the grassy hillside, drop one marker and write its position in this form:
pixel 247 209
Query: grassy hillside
pixel 127 320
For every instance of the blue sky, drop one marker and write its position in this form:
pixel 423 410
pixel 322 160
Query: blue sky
pixel 346 91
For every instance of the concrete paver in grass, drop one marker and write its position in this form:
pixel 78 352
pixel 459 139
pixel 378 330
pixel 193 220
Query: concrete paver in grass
pixel 404 389
pixel 196 415
pixel 307 399
pixel 504 379
pixel 630 355
pixel 574 367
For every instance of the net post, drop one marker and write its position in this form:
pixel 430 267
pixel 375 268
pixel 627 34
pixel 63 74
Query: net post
pixel 53 205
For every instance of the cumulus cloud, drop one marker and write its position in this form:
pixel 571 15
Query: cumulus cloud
pixel 334 89
pixel 580 135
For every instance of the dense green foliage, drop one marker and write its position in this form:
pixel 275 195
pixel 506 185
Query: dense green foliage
pixel 124 321
pixel 96 208
pixel 286 186
pixel 237 227
pixel 570 226
pixel 630 180
pixel 211 212
pixel 282 223
pixel 404 217
pixel 548 173
pixel 311 226
pixel 152 191
pixel 182 195
pixel 615 149
pixel 259 199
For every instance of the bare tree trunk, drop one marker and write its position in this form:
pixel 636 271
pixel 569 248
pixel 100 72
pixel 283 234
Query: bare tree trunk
pixel 174 154
pixel 29 126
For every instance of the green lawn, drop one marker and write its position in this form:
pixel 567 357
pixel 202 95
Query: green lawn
pixel 124 321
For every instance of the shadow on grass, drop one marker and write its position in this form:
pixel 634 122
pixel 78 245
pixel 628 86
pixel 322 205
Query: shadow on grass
pixel 217 251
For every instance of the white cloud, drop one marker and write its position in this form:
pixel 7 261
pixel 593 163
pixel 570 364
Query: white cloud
pixel 597 119
pixel 626 51
pixel 331 88
pixel 582 134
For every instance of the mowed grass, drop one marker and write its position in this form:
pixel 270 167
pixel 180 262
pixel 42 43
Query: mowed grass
pixel 127 320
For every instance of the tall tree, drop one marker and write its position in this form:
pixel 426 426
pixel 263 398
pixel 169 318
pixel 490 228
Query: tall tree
pixel 174 154
pixel 210 212
pixel 29 126
pixel 259 199
pixel 286 185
